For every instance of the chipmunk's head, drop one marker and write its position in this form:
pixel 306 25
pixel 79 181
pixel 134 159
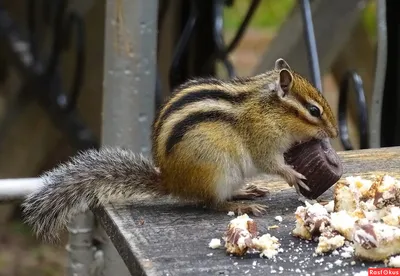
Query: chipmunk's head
pixel 303 101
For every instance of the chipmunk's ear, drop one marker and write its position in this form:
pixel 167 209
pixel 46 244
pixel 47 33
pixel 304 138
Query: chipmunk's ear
pixel 280 64
pixel 285 82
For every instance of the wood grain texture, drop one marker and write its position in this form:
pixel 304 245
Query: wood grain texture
pixel 170 238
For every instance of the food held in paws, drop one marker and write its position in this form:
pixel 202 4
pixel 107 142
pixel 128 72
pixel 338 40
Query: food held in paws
pixel 318 162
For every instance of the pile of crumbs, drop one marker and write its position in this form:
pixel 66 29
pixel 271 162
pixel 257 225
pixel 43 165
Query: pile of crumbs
pixel 363 220
pixel 242 237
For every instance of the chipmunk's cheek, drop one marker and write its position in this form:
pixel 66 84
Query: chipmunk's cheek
pixel 323 134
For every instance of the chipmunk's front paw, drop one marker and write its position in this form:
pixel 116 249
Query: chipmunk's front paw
pixel 294 178
pixel 243 208
pixel 250 191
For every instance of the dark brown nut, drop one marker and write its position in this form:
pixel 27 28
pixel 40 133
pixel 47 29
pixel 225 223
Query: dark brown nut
pixel 318 162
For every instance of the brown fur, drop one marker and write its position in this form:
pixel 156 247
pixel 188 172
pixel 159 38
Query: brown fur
pixel 264 121
pixel 207 139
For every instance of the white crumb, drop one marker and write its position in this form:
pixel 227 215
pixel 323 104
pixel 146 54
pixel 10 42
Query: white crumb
pixel 279 218
pixel 231 214
pixel 335 252
pixel 353 263
pixel 349 249
pixel 361 273
pixel 330 206
pixel 267 244
pixel 338 262
pixel 394 261
pixel 215 243
pixel 209 254
pixel 346 255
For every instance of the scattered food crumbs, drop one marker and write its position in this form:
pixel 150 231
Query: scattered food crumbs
pixel 215 243
pixel 338 262
pixel 268 245
pixel 241 236
pixel 247 271
pixel 254 263
pixel 353 263
pixel 349 249
pixel 209 254
pixel 273 227
pixel 235 263
pixel 231 214
pixel 363 219
pixel 280 268
pixel 297 270
pixel 394 261
pixel 279 218
pixel 346 255
pixel 361 273
pixel 330 206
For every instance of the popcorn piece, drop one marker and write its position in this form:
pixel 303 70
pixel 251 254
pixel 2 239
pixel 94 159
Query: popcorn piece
pixel 300 230
pixel 343 223
pixel 310 220
pixel 330 206
pixel 215 243
pixel 387 192
pixel 392 216
pixel 394 261
pixel 329 240
pixel 268 245
pixel 363 211
pixel 376 241
pixel 344 198
pixel 359 185
pixel 238 237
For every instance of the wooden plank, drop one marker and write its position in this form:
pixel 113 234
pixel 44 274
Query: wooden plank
pixel 170 238
pixel 331 33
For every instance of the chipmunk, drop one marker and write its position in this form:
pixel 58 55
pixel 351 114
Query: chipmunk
pixel 207 138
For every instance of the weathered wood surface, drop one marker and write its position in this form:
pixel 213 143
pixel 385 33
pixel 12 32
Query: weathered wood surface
pixel 167 238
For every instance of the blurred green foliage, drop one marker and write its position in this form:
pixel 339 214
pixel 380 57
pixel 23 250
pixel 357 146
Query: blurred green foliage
pixel 269 14
pixel 272 13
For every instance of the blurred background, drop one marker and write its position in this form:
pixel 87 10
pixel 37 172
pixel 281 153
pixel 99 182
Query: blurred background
pixel 31 142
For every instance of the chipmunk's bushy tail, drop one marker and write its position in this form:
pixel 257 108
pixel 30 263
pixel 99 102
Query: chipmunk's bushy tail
pixel 90 178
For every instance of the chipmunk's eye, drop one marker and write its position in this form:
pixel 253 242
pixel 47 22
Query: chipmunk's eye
pixel 314 111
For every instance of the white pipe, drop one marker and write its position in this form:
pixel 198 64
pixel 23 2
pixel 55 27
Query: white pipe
pixel 380 73
pixel 18 188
